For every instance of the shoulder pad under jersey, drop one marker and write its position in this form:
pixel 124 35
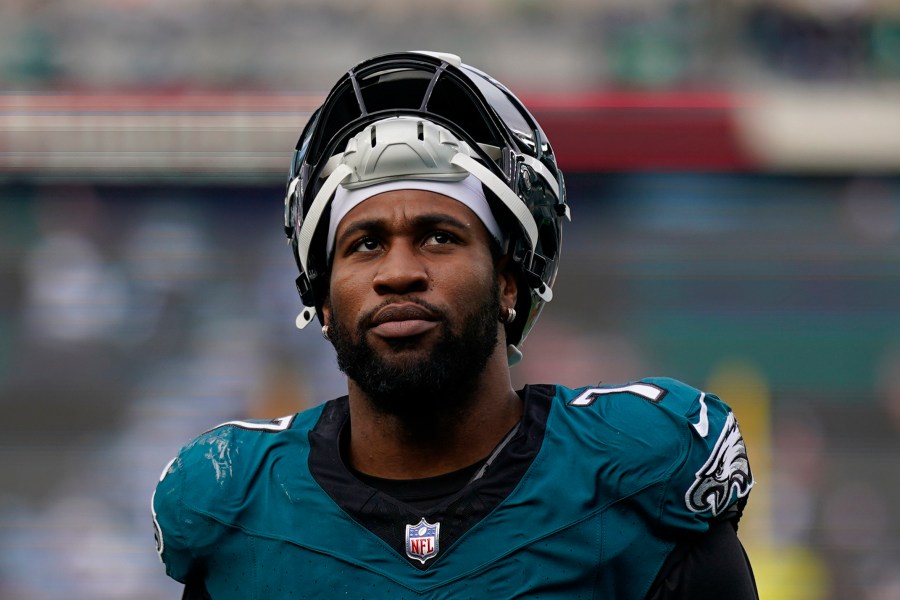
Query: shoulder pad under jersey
pixel 204 486
pixel 678 437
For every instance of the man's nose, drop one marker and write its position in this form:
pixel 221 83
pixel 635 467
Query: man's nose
pixel 401 270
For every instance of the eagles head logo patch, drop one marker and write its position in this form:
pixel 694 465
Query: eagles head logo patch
pixel 725 475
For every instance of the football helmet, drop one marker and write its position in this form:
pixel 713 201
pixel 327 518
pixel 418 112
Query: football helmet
pixel 449 120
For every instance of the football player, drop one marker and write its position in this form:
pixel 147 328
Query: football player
pixel 424 209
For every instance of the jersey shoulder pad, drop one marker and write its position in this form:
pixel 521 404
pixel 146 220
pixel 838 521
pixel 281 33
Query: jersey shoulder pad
pixel 715 473
pixel 652 408
pixel 684 438
pixel 205 484
pixel 217 460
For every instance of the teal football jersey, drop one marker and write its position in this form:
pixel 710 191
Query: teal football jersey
pixel 586 500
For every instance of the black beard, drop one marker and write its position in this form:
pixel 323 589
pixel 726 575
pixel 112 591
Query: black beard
pixel 435 387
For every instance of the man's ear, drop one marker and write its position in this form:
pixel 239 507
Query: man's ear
pixel 326 311
pixel 508 282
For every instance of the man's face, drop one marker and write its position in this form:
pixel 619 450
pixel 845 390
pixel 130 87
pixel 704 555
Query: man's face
pixel 414 300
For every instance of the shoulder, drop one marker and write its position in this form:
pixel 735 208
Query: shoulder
pixel 657 408
pixel 664 431
pixel 221 457
pixel 678 396
pixel 211 476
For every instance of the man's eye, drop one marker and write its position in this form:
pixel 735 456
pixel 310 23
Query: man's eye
pixel 439 237
pixel 365 245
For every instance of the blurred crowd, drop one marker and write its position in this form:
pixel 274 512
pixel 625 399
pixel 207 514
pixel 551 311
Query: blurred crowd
pixel 130 323
pixel 567 44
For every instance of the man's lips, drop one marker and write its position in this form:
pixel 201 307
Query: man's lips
pixel 403 320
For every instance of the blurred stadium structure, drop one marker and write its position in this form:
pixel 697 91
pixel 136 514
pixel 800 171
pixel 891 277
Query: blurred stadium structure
pixel 734 173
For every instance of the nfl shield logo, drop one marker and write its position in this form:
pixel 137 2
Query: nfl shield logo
pixel 422 540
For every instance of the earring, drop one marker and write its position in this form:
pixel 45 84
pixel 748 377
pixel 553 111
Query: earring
pixel 325 331
pixel 509 317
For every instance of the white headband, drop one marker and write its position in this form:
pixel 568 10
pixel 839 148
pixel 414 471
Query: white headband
pixel 467 191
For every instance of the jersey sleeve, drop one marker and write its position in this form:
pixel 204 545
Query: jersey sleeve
pixel 197 477
pixel 171 537
pixel 673 452
pixel 711 476
pixel 203 491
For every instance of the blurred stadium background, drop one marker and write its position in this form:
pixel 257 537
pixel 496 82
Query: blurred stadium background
pixel 734 175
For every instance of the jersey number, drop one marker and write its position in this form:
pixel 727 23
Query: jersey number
pixel 273 426
pixel 648 391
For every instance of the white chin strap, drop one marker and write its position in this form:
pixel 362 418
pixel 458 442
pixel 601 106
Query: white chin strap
pixel 409 148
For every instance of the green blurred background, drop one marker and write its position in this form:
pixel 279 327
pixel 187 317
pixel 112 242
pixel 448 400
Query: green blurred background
pixel 733 170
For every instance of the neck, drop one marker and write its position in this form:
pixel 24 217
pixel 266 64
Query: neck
pixel 399 447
